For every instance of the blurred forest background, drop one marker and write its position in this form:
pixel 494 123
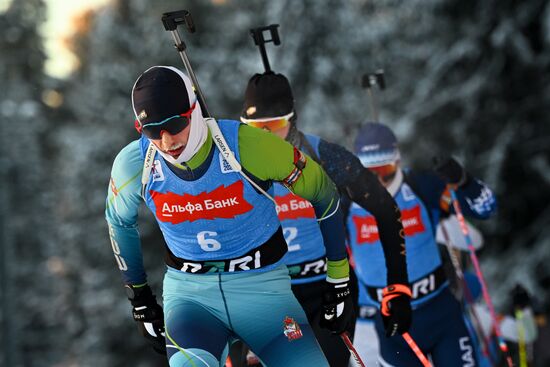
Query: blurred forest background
pixel 464 77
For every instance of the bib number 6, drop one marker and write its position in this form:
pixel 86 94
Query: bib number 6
pixel 206 242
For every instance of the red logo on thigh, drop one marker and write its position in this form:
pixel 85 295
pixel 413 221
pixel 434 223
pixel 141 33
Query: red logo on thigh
pixel 291 329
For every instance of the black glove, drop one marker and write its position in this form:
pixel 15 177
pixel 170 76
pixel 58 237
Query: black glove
pixel 449 170
pixel 149 316
pixel 338 311
pixel 396 309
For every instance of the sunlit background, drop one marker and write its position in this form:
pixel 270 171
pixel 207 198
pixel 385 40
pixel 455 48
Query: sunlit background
pixel 467 78
pixel 62 20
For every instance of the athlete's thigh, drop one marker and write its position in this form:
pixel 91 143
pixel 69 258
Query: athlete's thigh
pixel 194 337
pixel 394 351
pixel 269 319
pixel 454 348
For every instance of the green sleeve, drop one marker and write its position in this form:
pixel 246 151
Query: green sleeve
pixel 269 157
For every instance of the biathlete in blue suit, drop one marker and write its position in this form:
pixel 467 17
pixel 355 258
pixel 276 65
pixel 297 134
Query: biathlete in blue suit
pixel 438 326
pixel 269 105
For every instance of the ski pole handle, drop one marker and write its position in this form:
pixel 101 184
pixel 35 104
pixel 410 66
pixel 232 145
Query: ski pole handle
pixel 416 350
pixel 357 361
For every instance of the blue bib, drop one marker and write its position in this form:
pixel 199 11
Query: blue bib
pixel 423 257
pixel 218 216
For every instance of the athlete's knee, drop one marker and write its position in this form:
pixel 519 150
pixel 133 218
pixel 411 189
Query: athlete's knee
pixel 193 358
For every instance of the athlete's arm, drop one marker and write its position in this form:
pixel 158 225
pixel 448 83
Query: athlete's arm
pixel 123 200
pixel 362 187
pixel 269 157
pixel 476 199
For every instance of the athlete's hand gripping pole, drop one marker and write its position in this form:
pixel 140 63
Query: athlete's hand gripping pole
pixel 356 360
pixel 260 41
pixel 496 326
pixel 395 309
pixel 171 20
pixel 397 316
pixel 148 314
pixel 337 309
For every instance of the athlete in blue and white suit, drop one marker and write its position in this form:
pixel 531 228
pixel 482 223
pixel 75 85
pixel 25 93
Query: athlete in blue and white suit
pixel 438 326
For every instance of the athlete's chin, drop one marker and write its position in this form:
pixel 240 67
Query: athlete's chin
pixel 175 153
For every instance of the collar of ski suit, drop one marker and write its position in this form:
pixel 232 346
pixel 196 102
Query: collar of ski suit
pixel 293 136
pixel 395 185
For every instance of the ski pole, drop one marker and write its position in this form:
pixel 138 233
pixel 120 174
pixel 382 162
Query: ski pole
pixel 521 341
pixel 370 80
pixel 416 350
pixel 171 20
pixel 357 361
pixel 496 327
pixel 454 258
pixel 260 41
pixel 467 293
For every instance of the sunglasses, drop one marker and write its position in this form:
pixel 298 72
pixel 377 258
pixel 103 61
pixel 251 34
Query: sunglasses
pixel 172 125
pixel 386 172
pixel 271 124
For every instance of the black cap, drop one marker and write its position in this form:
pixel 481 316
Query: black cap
pixel 161 92
pixel 267 95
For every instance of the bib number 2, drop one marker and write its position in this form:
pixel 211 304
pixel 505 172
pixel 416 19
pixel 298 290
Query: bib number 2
pixel 290 234
pixel 207 242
